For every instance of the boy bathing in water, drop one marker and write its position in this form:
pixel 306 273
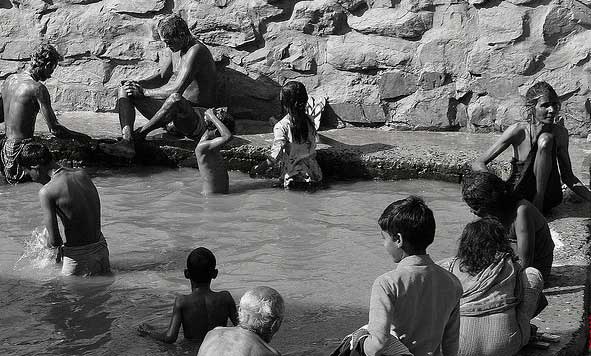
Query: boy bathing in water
pixel 70 195
pixel 211 163
pixel 203 309
pixel 540 148
pixel 419 301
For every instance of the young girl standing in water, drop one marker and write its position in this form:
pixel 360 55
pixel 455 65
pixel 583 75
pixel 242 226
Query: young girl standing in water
pixel 294 142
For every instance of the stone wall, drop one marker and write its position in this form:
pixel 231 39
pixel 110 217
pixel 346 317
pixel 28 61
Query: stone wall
pixel 415 64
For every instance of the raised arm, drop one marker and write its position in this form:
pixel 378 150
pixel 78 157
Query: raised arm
pixel 189 67
pixel 172 332
pixel 508 138
pixel 566 169
pixel 48 206
pixel 225 134
pixel 59 131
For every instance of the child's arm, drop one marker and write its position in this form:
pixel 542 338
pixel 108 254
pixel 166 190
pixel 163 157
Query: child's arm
pixel 450 343
pixel 225 134
pixel 172 333
pixel 380 318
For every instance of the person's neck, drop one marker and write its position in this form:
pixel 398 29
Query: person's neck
pixel 188 44
pixel 32 74
pixel 413 252
pixel 53 169
pixel 200 286
pixel 266 338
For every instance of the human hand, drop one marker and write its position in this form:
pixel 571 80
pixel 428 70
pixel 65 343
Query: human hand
pixel 358 336
pixel 133 88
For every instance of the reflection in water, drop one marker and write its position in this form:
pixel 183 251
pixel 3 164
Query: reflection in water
pixel 321 251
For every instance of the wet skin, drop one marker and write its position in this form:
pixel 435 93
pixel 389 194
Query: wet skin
pixel 212 167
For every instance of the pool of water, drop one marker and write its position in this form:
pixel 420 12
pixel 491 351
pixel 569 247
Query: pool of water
pixel 321 251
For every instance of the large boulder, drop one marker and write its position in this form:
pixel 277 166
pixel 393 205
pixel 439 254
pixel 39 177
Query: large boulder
pixel 393 22
pixel 501 24
pixel 443 55
pixel 397 83
pixel 425 110
pixel 319 17
pixel 355 51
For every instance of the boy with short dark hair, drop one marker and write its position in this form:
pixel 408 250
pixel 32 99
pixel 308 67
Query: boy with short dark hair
pixel 418 302
pixel 212 167
pixel 203 309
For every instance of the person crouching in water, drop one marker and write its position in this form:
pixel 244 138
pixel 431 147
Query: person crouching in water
pixel 294 142
pixel 71 195
pixel 260 315
pixel 212 167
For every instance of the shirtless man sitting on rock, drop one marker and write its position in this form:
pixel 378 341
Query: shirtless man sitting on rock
pixel 70 195
pixel 189 79
pixel 22 97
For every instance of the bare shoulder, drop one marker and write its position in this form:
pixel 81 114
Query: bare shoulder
pixel 181 301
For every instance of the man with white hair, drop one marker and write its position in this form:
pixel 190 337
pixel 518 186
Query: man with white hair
pixel 260 315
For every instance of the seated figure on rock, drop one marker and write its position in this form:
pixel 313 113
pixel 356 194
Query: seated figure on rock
pixel 540 148
pixel 184 88
pixel 22 97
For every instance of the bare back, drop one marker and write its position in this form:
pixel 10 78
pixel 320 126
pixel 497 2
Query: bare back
pixel 203 311
pixel 19 96
pixel 202 87
pixel 235 341
pixel 78 206
pixel 212 169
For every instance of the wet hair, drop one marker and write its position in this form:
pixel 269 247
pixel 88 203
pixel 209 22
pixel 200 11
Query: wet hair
pixel 482 243
pixel 534 93
pixel 260 308
pixel 225 118
pixel 44 55
pixel 412 218
pixel 201 265
pixel 486 194
pixel 173 26
pixel 34 154
pixel 293 96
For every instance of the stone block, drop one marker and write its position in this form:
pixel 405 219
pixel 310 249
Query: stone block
pixel 322 17
pixel 355 51
pixel 359 114
pixel 139 7
pixel 557 24
pixel 393 23
pixel 482 114
pixel 425 110
pixel 396 84
pixel 501 24
pixel 444 55
pixel 8 67
pixel 431 80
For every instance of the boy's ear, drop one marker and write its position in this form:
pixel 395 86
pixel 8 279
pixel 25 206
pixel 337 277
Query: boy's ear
pixel 187 274
pixel 214 273
pixel 398 239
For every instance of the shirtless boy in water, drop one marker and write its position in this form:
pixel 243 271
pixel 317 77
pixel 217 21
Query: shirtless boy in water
pixel 540 148
pixel 211 163
pixel 203 309
pixel 71 195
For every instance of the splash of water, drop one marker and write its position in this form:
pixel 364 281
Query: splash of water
pixel 36 254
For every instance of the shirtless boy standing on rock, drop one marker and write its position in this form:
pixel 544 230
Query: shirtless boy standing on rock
pixel 71 195
pixel 23 96
pixel 179 104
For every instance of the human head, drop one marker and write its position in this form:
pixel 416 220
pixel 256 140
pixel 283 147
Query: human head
pixel 538 98
pixel 43 62
pixel 486 194
pixel 480 244
pixel 173 30
pixel 201 266
pixel 36 160
pixel 226 119
pixel 261 311
pixel 293 96
pixel 409 223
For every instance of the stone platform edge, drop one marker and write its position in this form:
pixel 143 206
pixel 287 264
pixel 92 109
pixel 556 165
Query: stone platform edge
pixel 343 163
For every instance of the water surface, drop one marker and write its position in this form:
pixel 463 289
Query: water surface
pixel 321 251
